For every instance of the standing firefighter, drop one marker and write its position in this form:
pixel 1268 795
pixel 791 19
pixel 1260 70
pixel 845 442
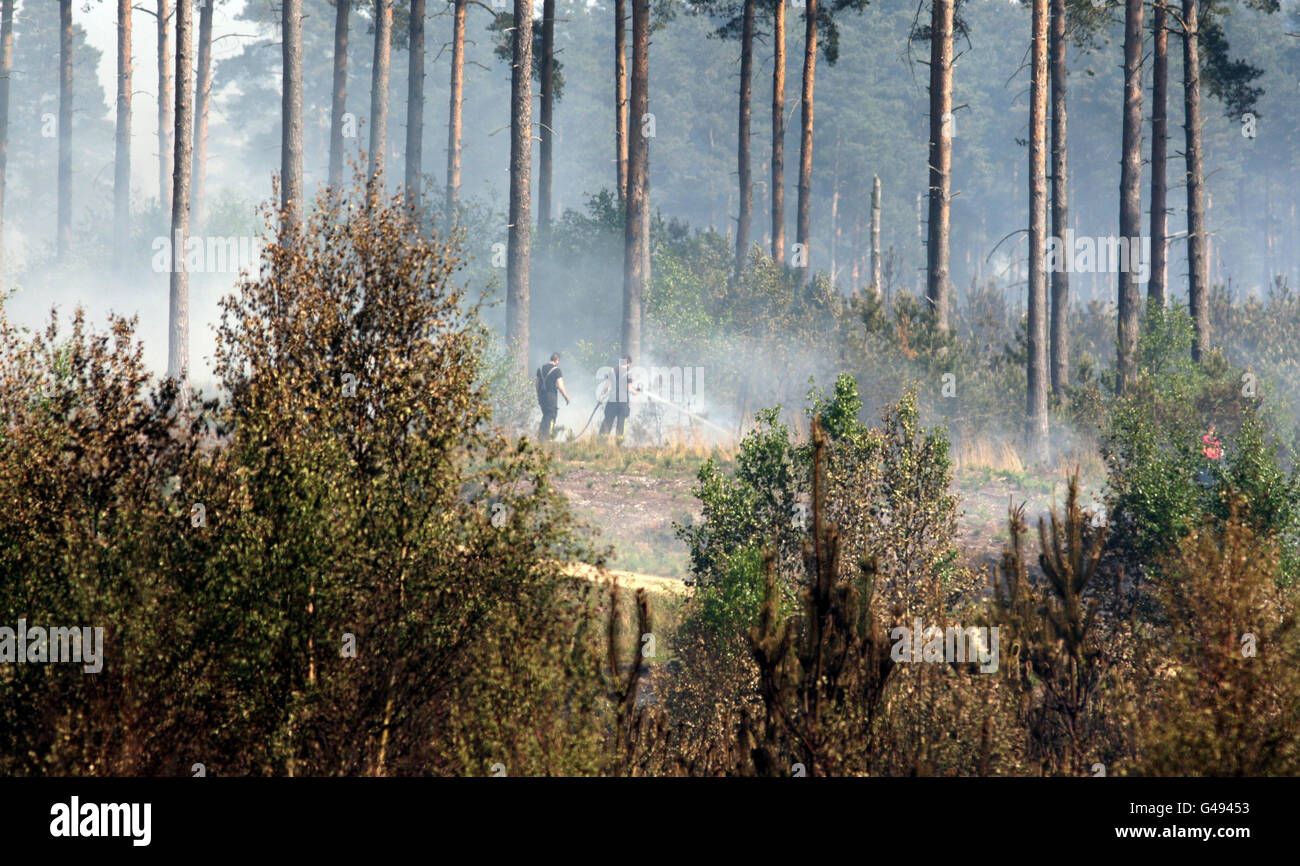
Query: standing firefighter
pixel 550 383
pixel 618 396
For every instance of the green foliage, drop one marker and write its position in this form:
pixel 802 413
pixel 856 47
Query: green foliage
pixel 1161 481
pixel 354 495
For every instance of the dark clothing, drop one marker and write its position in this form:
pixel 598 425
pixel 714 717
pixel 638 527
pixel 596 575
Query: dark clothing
pixel 547 428
pixel 548 385
pixel 615 412
pixel 548 389
pixel 618 406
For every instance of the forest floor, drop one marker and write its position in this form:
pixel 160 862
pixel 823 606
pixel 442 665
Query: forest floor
pixel 633 499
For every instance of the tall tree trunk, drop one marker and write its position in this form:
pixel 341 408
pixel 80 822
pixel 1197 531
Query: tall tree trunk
pixel 1157 289
pixel 178 344
pixel 1130 194
pixel 875 234
pixel 803 219
pixel 636 248
pixel 164 106
pixel 778 131
pixel 743 170
pixel 1198 276
pixel 202 98
pixel 521 157
pixel 546 132
pixel 455 101
pixel 122 145
pixel 1036 395
pixel 620 96
pixel 6 66
pixel 339 98
pixel 1060 336
pixel 379 87
pixel 64 232
pixel 291 113
pixel 941 120
pixel 415 108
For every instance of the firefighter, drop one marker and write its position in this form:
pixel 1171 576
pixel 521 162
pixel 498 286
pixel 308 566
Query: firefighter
pixel 550 383
pixel 618 406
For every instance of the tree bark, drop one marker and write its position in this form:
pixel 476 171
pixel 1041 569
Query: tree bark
pixel 937 288
pixel 291 114
pixel 339 97
pixel 202 97
pixel 521 151
pixel 454 108
pixel 178 345
pixel 164 105
pixel 64 232
pixel 620 96
pixel 803 218
pixel 875 234
pixel 778 131
pixel 1157 289
pixel 1036 395
pixel 636 249
pixel 415 108
pixel 379 87
pixel 122 144
pixel 1060 331
pixel 1198 277
pixel 1130 194
pixel 743 169
pixel 6 66
pixel 546 130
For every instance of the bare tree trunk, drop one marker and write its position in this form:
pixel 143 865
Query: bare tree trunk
pixel 415 108
pixel 339 100
pixel 1198 277
pixel 778 132
pixel 521 156
pixel 6 66
pixel 1130 193
pixel 1060 329
pixel 546 132
pixel 291 113
pixel 178 345
pixel 937 289
pixel 454 108
pixel 803 213
pixel 122 145
pixel 164 105
pixel 875 234
pixel 1157 289
pixel 620 96
pixel 202 97
pixel 379 87
pixel 743 169
pixel 636 249
pixel 1036 395
pixel 64 232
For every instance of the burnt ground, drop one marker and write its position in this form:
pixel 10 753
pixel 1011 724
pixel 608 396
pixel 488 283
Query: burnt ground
pixel 634 511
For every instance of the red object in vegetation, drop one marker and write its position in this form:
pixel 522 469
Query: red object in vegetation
pixel 1213 449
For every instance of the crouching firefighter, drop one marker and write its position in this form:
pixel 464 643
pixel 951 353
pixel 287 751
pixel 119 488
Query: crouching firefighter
pixel 550 383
